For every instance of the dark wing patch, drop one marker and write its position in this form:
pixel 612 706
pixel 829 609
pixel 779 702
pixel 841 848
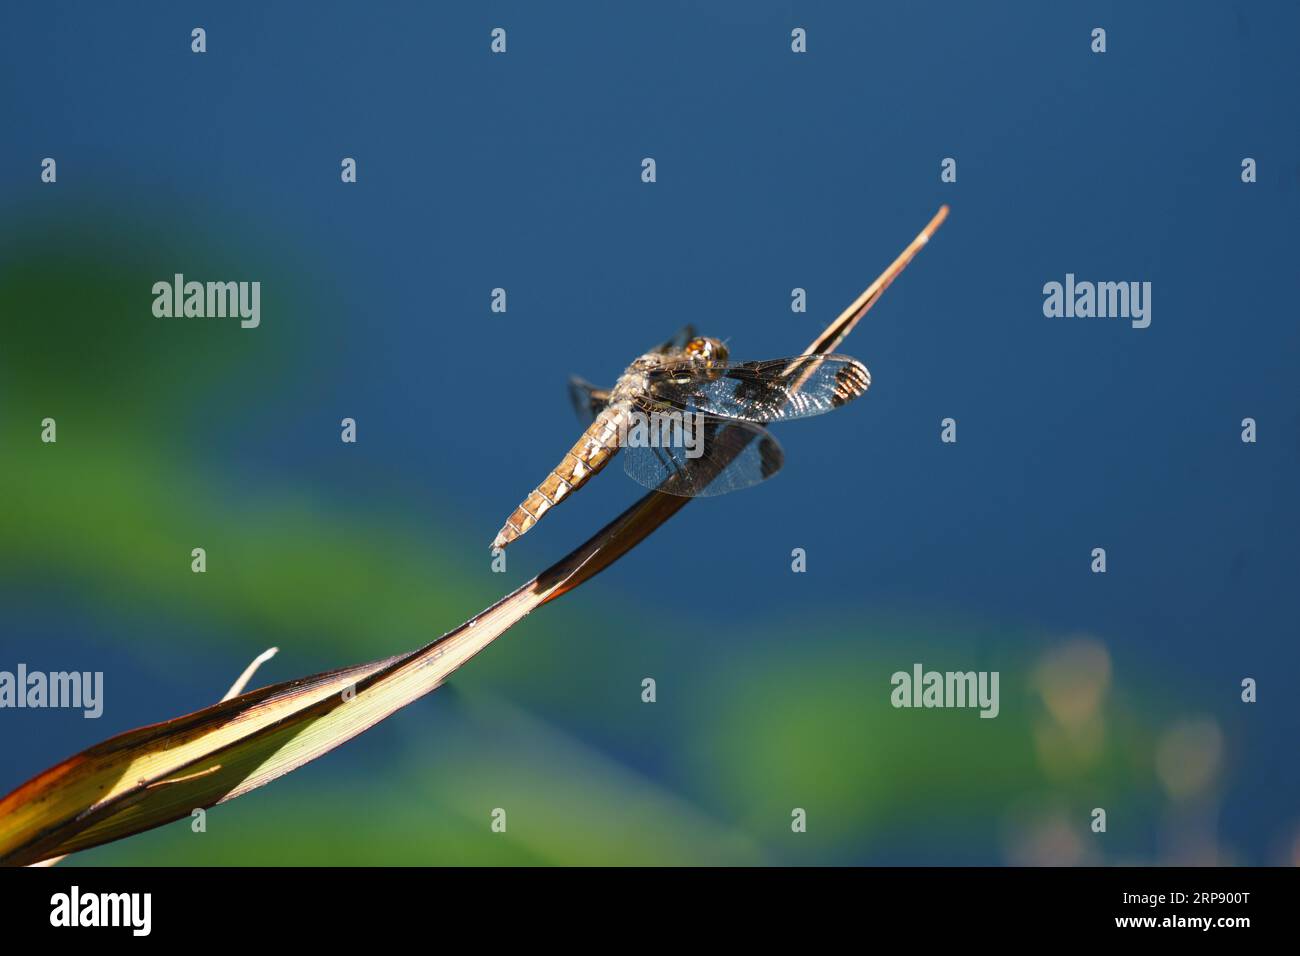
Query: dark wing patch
pixel 771 391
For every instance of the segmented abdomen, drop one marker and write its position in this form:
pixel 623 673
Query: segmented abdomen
pixel 588 455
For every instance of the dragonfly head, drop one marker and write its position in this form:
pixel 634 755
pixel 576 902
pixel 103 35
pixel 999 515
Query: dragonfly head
pixel 706 352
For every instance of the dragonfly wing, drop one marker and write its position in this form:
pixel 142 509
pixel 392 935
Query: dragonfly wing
pixel 771 391
pixel 587 399
pixel 720 456
pixel 677 342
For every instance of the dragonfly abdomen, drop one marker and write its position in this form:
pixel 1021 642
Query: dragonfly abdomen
pixel 588 455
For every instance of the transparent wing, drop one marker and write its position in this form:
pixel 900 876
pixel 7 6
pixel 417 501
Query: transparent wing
pixel 716 457
pixel 771 391
pixel 587 399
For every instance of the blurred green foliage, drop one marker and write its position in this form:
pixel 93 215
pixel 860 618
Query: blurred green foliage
pixel 586 773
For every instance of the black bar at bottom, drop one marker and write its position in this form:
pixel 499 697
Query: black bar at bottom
pixel 337 906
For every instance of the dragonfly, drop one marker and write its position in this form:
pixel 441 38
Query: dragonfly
pixel 709 414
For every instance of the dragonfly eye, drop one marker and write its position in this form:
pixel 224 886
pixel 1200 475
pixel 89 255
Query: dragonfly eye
pixel 709 351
